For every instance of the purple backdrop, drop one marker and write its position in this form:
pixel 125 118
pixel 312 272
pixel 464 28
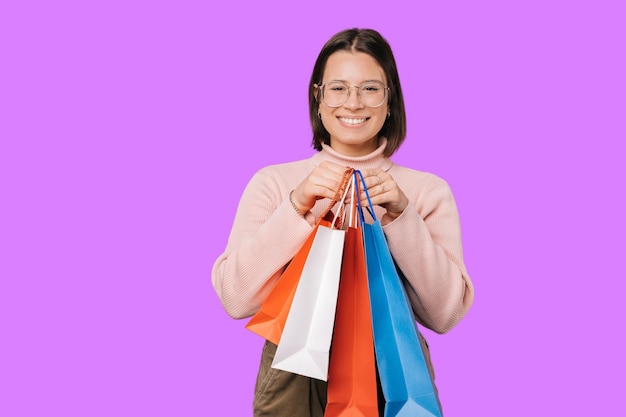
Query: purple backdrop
pixel 129 129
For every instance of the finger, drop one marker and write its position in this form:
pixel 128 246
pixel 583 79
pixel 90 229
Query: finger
pixel 331 166
pixel 333 172
pixel 367 173
pixel 374 178
pixel 325 184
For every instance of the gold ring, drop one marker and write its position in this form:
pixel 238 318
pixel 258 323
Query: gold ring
pixel 382 186
pixel 378 179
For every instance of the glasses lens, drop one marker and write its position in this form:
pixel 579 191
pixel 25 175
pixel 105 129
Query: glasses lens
pixel 372 94
pixel 335 94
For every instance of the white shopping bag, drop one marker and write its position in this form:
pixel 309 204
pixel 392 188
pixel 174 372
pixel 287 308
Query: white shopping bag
pixel 305 343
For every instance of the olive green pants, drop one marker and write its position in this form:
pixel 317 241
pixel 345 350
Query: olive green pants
pixel 283 394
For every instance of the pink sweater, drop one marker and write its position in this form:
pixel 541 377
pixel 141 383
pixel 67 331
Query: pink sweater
pixel 425 240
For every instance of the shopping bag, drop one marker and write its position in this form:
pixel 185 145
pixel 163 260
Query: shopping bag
pixel 406 382
pixel 269 321
pixel 305 342
pixel 352 389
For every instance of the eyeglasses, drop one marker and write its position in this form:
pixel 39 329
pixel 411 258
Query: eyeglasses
pixel 337 93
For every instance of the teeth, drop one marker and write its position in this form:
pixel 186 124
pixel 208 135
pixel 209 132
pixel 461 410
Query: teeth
pixel 351 121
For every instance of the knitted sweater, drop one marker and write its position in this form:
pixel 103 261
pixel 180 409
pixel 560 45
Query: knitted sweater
pixel 425 240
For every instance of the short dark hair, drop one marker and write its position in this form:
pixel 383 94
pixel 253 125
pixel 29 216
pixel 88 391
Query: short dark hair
pixel 372 43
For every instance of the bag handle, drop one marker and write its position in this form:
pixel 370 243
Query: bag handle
pixel 369 209
pixel 347 174
pixel 353 219
pixel 340 216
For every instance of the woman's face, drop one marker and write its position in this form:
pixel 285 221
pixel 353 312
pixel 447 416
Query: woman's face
pixel 353 127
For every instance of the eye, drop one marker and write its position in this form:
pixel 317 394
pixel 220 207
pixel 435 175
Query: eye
pixel 336 87
pixel 371 88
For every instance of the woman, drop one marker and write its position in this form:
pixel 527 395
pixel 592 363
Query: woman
pixel 358 120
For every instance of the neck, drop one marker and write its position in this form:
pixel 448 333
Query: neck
pixel 371 160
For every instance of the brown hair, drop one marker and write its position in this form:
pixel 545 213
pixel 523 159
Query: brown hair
pixel 372 43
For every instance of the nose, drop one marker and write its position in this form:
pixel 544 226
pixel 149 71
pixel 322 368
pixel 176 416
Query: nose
pixel 353 102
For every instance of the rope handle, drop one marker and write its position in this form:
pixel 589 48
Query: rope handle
pixel 370 211
pixel 339 192
pixel 340 216
pixel 353 219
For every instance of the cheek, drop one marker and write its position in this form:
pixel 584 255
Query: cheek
pixel 327 115
pixel 325 118
pixel 381 117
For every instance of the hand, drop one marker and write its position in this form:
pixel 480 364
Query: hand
pixel 384 192
pixel 322 182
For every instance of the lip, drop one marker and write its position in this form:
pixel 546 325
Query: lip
pixel 352 121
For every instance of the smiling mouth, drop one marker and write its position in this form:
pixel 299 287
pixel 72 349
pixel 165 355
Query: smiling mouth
pixel 353 121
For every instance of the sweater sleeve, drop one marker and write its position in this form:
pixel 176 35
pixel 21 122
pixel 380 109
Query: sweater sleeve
pixel 266 234
pixel 425 241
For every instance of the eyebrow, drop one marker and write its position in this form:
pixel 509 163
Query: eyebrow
pixel 363 82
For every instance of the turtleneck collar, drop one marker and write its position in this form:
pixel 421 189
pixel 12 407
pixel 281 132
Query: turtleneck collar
pixel 370 161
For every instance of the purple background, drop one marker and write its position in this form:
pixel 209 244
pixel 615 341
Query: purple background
pixel 129 129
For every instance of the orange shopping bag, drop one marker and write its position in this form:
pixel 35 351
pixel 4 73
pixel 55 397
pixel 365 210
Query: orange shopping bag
pixel 269 321
pixel 352 390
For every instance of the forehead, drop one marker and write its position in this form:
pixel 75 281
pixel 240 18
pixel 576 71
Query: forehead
pixel 354 67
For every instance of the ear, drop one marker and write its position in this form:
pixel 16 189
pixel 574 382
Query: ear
pixel 316 91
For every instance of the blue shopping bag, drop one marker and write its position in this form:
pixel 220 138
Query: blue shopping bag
pixel 406 382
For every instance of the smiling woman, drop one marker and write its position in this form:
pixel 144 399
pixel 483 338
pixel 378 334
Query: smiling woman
pixel 351 80
pixel 358 120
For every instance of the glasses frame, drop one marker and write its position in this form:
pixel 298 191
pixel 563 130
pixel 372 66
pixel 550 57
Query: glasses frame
pixel 358 93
